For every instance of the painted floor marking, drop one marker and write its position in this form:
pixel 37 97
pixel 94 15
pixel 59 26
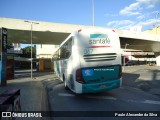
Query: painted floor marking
pixel 111 98
pixel 102 97
pixel 152 102
pixel 134 101
pixel 66 94
pixel 95 97
pixel 145 101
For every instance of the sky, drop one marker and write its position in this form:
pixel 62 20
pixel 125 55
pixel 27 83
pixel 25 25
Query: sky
pixel 117 14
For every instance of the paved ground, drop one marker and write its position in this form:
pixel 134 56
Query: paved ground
pixel 132 96
pixel 33 94
pixel 146 78
pixel 139 92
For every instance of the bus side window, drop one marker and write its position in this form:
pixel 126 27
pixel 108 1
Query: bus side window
pixel 70 45
pixel 65 50
pixel 55 56
pixel 58 54
pixel 69 48
pixel 62 52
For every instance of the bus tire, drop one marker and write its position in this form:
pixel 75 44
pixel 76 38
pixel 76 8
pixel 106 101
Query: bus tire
pixel 65 84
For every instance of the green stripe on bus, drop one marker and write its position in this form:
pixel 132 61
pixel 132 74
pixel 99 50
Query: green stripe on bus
pixel 98 36
pixel 95 88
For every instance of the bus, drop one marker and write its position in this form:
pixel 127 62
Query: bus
pixel 89 61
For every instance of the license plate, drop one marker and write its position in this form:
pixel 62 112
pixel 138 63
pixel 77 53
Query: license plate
pixel 102 86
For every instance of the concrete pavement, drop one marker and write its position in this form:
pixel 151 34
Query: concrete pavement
pixel 138 81
pixel 130 97
pixel 143 77
pixel 127 98
pixel 33 95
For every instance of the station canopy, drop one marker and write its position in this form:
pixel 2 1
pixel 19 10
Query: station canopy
pixel 19 31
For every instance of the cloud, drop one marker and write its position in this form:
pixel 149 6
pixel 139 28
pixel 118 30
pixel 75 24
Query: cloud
pixel 148 15
pixel 131 9
pixel 150 22
pixel 127 24
pixel 117 24
pixel 150 6
pixel 127 27
pixel 141 17
pixel 135 8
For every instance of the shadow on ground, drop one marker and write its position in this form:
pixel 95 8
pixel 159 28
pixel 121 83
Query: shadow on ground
pixel 147 84
pixel 18 74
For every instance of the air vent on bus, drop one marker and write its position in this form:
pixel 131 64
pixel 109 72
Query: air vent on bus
pixel 100 57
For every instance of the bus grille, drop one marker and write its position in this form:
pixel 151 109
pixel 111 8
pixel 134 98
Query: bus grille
pixel 100 57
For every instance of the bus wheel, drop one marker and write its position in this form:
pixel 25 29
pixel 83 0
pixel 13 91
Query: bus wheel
pixel 65 84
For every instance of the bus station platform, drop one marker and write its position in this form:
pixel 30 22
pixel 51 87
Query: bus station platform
pixel 33 96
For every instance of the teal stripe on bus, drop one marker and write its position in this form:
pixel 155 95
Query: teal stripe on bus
pixel 98 36
pixel 96 87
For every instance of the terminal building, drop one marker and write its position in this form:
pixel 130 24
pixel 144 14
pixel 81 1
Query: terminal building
pixel 45 52
pixel 47 36
pixel 44 55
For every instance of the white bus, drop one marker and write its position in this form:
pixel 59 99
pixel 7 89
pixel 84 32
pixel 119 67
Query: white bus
pixel 89 61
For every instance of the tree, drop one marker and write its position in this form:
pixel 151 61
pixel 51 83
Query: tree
pixel 27 52
pixel 9 46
